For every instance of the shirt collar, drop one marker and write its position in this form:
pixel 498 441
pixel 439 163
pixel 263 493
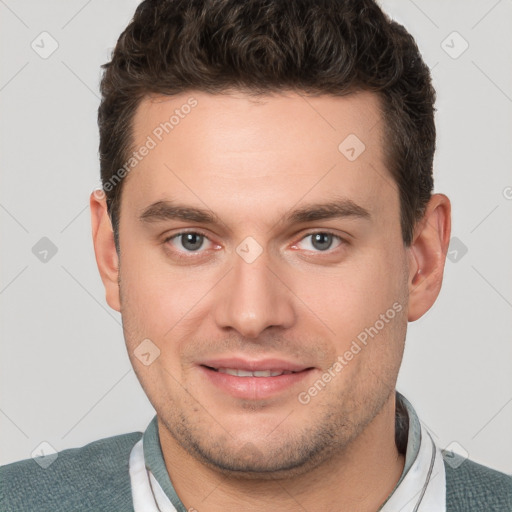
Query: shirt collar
pixel 408 435
pixel 407 432
pixel 155 463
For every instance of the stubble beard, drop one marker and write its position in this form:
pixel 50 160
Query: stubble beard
pixel 288 454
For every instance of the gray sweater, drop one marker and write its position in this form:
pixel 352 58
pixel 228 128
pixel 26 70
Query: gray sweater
pixel 96 478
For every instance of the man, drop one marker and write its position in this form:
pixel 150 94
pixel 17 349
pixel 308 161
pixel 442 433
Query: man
pixel 266 228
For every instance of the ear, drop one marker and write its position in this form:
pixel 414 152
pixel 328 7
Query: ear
pixel 427 255
pixel 104 248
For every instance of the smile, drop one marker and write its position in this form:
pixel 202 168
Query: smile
pixel 255 380
pixel 244 373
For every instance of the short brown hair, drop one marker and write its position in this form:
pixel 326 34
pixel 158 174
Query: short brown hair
pixel 263 46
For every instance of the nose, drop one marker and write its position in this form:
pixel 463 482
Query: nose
pixel 253 298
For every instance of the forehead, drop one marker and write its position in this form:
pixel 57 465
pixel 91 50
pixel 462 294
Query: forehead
pixel 259 152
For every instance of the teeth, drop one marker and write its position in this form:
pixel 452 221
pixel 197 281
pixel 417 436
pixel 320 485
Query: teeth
pixel 244 373
pixel 229 371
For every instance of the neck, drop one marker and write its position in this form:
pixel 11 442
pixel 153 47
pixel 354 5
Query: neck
pixel 358 479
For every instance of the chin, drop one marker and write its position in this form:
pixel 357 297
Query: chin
pixel 283 458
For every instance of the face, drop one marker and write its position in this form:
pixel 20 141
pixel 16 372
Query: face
pixel 261 254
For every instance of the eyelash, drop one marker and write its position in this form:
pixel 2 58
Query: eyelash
pixel 193 254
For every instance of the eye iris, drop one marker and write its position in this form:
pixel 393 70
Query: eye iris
pixel 192 241
pixel 322 241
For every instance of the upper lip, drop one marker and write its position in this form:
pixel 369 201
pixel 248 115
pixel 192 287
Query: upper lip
pixel 253 365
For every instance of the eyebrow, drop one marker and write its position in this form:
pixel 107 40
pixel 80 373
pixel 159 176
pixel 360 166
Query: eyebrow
pixel 331 210
pixel 343 208
pixel 167 210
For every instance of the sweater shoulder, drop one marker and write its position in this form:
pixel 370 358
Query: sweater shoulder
pixel 93 477
pixel 472 486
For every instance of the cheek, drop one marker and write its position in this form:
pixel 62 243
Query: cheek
pixel 159 302
pixel 370 323
pixel 149 301
pixel 368 292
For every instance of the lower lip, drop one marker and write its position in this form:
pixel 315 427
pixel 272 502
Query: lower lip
pixel 254 388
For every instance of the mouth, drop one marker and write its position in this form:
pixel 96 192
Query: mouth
pixel 255 380
pixel 237 372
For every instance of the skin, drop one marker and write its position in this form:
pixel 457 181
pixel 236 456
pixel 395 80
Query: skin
pixel 251 162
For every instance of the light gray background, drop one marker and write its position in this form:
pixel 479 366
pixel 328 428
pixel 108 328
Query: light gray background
pixel 65 376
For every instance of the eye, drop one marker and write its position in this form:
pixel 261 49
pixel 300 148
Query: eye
pixel 188 242
pixel 320 241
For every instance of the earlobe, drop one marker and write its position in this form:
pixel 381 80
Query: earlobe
pixel 427 255
pixel 104 248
